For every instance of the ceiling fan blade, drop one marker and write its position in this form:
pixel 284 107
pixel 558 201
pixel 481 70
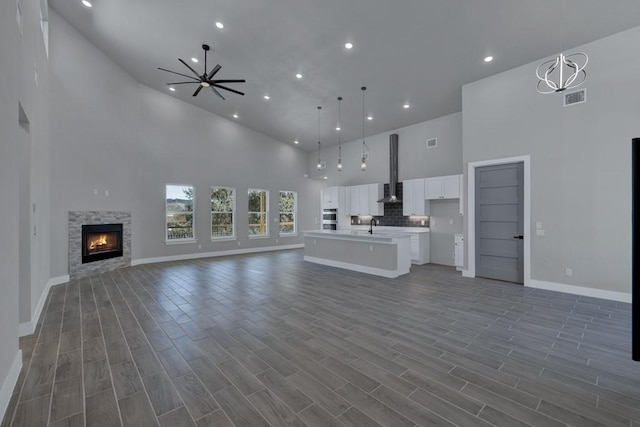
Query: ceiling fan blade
pixel 214 71
pixel 228 81
pixel 216 92
pixel 189 67
pixel 180 74
pixel 229 89
pixel 182 83
pixel 197 91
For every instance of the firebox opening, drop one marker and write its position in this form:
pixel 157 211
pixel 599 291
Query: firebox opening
pixel 101 241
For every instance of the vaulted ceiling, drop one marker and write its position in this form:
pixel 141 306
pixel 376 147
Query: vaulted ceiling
pixel 416 52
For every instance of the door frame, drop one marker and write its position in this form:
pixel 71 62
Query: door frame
pixel 471 212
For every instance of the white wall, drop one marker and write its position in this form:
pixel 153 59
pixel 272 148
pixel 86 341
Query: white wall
pixel 580 160
pixel 414 160
pixel 115 134
pixel 24 167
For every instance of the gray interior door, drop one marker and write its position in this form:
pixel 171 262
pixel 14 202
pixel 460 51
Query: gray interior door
pixel 500 222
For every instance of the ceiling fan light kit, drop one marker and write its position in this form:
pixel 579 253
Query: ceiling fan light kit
pixel 206 79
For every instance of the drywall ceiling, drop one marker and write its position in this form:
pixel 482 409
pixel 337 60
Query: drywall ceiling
pixel 412 51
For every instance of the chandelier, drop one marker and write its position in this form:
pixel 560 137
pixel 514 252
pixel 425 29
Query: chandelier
pixel 562 73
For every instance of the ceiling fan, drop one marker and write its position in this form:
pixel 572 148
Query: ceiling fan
pixel 206 79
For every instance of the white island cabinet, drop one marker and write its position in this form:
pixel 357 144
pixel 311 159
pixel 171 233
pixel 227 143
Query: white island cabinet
pixel 385 254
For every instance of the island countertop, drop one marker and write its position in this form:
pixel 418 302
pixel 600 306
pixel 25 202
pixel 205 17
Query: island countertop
pixel 385 236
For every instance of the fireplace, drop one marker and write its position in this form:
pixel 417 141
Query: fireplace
pixel 101 241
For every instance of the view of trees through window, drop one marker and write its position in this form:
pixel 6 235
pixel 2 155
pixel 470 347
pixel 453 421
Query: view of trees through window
pixel 287 212
pixel 179 212
pixel 258 215
pixel 222 212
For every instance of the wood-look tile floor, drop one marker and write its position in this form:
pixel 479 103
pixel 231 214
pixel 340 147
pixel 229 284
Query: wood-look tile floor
pixel 269 340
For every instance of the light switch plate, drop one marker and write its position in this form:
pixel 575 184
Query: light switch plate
pixel 538 225
pixel 540 233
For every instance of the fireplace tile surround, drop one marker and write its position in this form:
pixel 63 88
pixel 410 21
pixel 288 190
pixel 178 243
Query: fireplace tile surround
pixel 79 218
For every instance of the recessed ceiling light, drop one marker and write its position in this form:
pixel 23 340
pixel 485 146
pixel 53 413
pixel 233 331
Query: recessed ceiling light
pixel 235 116
pixel 172 89
pixel 298 76
pixel 348 45
pixel 337 128
pixel 296 142
pixel 405 106
pixel 194 59
pixel 325 177
pixel 219 25
pixel 370 118
pixel 267 97
pixel 87 3
pixel 488 59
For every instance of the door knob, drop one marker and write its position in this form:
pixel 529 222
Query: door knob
pixel 518 237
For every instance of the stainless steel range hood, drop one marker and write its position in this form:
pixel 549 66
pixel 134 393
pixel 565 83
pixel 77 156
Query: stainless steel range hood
pixel 393 170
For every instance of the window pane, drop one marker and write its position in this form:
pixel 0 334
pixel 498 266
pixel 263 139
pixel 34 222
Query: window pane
pixel 257 224
pixel 179 212
pixel 287 224
pixel 222 212
pixel 287 205
pixel 221 225
pixel 258 216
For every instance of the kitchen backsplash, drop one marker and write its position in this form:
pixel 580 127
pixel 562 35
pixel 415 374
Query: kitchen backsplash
pixel 393 214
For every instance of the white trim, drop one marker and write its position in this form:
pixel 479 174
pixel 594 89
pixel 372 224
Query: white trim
pixel 223 239
pixel 213 254
pixel 580 290
pixel 471 212
pixel 180 241
pixel 28 328
pixel 258 236
pixel 10 383
pixel 391 274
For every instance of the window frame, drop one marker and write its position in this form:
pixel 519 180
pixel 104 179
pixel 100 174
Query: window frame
pixel 192 239
pixel 267 228
pixel 233 215
pixel 294 213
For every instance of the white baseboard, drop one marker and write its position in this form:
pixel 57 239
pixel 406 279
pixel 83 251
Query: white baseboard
pixel 10 383
pixel 579 290
pixel 391 274
pixel 214 254
pixel 27 328
pixel 467 273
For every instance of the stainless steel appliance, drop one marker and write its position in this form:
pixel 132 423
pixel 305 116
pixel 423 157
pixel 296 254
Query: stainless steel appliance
pixel 329 219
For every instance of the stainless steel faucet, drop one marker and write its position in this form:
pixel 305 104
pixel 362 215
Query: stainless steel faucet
pixel 371 224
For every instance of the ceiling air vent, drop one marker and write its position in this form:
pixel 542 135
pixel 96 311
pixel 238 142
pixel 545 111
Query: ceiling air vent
pixel 432 143
pixel 577 97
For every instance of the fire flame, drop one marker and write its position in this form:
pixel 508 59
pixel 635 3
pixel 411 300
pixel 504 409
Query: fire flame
pixel 101 241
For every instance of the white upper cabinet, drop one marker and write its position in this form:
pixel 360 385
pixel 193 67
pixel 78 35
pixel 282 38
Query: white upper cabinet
pixel 443 187
pixel 329 198
pixel 363 200
pixel 413 197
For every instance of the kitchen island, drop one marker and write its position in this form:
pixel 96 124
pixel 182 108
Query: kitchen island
pixel 386 253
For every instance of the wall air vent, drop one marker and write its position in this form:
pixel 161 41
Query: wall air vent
pixel 432 142
pixel 577 97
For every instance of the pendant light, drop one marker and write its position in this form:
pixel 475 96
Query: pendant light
pixel 339 140
pixel 563 72
pixel 363 165
pixel 319 164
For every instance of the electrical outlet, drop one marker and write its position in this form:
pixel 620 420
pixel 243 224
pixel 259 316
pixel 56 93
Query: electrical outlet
pixel 568 272
pixel 276 240
pixel 238 243
pixel 106 193
pixel 433 222
pixel 370 248
pixel 199 246
pixel 450 221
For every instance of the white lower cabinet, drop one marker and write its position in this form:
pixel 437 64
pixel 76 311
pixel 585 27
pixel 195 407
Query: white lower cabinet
pixel 458 251
pixel 420 243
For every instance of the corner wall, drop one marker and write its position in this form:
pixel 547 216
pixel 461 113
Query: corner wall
pixel 580 160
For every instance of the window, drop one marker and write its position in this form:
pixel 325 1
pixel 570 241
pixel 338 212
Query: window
pixel 258 213
pixel 179 213
pixel 287 212
pixel 223 206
